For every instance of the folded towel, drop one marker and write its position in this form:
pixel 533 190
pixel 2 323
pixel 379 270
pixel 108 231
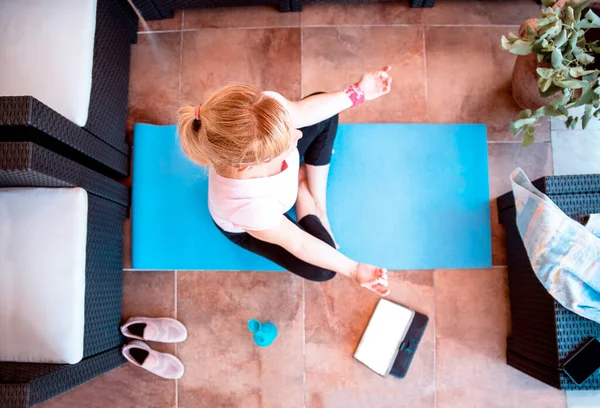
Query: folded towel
pixel 564 254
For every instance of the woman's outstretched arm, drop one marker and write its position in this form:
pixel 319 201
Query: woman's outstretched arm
pixel 316 252
pixel 317 108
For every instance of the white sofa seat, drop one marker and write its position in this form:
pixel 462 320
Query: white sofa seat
pixel 47 49
pixel 43 234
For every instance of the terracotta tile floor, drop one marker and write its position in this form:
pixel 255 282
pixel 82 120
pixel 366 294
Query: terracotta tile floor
pixel 447 68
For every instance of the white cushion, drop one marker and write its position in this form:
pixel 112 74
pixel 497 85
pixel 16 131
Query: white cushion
pixel 43 234
pixel 47 49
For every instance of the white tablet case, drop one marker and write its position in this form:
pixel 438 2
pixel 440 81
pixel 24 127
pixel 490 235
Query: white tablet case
pixel 385 332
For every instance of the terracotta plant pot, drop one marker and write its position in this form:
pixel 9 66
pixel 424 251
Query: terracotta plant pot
pixel 524 79
pixel 525 83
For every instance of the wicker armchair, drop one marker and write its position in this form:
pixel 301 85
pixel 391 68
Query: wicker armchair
pixel 101 143
pixel 545 334
pixel 25 164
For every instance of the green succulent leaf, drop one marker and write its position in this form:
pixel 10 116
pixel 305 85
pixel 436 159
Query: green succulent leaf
pixel 585 98
pixel 553 30
pixel 530 32
pixel 568 122
pixel 546 84
pixel 585 59
pixel 573 123
pixel 569 15
pixel 561 38
pixel 591 77
pixel 577 72
pixel 524 114
pixel 587 116
pixel 538 45
pixel 540 58
pixel 505 43
pixel 538 113
pixel 569 83
pixel 543 22
pixel 556 59
pixel 573 41
pixel 579 4
pixel 527 121
pixel 563 110
pixel 548 3
pixel 551 91
pixel 545 73
pixel 523 120
pixel 512 36
pixel 521 47
pixel 529 137
pixel 591 16
pixel 551 111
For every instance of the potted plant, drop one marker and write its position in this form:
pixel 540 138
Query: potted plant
pixel 556 69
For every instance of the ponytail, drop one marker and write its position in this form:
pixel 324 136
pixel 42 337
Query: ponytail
pixel 193 142
pixel 237 126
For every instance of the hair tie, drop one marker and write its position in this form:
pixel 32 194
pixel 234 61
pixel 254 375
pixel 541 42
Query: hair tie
pixel 197 112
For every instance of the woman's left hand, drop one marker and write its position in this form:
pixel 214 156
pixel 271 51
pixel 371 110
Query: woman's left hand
pixel 376 84
pixel 372 278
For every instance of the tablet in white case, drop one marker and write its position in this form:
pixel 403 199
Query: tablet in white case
pixel 385 332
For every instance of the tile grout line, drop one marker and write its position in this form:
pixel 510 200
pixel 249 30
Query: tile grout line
pixel 434 342
pixel 175 289
pixel 304 337
pixel 514 142
pixel 425 73
pixel 181 61
pixel 301 60
pixel 333 26
pixel 175 285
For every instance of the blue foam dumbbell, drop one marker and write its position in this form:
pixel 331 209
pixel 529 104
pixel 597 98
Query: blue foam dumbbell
pixel 264 333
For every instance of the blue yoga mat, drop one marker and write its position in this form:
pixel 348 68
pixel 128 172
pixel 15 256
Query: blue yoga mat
pixel 400 196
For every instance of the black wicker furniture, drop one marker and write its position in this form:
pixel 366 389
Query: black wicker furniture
pixel 26 164
pixel 296 5
pixel 101 143
pixel 545 334
pixel 157 9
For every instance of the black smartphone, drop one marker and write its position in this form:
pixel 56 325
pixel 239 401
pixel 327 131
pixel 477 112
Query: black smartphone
pixel 584 362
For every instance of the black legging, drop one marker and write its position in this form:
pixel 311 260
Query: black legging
pixel 315 146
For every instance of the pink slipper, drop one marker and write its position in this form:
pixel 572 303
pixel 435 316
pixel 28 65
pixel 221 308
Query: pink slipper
pixel 162 364
pixel 160 329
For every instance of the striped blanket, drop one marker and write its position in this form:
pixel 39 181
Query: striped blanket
pixel 564 254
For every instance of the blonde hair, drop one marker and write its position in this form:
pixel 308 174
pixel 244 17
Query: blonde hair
pixel 237 126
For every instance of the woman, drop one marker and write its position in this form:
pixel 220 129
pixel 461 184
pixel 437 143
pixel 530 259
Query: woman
pixel 253 142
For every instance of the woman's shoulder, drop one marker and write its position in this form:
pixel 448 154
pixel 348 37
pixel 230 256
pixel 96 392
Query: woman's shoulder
pixel 277 96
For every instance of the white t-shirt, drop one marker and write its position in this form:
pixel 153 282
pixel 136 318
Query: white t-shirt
pixel 254 204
